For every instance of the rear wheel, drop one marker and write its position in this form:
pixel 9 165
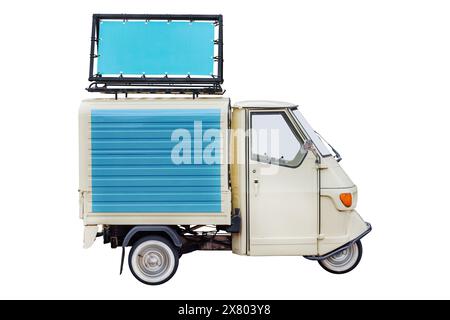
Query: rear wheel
pixel 343 261
pixel 153 260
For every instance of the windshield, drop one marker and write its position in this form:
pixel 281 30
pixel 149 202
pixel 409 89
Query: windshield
pixel 320 145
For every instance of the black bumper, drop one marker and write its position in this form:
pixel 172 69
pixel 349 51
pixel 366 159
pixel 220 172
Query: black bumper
pixel 345 246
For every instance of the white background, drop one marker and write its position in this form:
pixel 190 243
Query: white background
pixel 372 76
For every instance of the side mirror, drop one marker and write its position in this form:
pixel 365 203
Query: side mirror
pixel 308 145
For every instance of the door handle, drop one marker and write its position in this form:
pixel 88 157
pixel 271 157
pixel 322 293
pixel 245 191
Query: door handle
pixel 256 186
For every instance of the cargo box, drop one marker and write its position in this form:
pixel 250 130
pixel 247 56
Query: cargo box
pixel 154 161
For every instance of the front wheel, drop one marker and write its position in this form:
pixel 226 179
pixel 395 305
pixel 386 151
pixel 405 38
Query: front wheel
pixel 343 261
pixel 153 260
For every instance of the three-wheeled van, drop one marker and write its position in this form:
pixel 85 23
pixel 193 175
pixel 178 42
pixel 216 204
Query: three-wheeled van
pixel 167 176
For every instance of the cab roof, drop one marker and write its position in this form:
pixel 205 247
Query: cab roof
pixel 264 104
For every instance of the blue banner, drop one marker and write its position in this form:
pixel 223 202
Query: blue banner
pixel 156 48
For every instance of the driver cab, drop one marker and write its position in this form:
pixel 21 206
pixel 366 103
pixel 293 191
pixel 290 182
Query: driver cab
pixel 285 181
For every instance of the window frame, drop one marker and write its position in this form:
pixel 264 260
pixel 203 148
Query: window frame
pixel 301 138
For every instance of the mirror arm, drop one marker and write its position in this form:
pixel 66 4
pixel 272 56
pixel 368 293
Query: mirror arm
pixel 309 146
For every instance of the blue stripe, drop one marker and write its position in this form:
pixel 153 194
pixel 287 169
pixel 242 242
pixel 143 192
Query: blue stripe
pixel 98 144
pixel 142 160
pixel 179 207
pixel 132 169
pixel 158 189
pixel 128 152
pixel 154 113
pixel 157 197
pixel 115 126
pixel 155 182
pixel 158 171
pixel 133 134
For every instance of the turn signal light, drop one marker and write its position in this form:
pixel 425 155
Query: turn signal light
pixel 346 199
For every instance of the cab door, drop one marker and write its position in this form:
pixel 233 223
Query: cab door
pixel 282 187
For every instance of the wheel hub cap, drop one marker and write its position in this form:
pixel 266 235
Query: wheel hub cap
pixel 152 260
pixel 342 257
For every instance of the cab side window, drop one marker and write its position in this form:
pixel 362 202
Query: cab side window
pixel 274 141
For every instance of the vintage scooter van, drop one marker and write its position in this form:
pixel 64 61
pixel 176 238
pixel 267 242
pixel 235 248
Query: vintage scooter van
pixel 170 175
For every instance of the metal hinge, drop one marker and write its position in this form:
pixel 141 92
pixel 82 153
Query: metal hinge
pixel 82 193
pixel 322 166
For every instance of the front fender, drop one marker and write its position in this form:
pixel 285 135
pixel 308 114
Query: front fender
pixel 340 228
pixel 343 247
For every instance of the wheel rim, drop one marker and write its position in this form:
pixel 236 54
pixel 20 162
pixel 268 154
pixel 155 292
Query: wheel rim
pixel 342 260
pixel 153 261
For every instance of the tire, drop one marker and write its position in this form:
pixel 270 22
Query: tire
pixel 343 261
pixel 153 260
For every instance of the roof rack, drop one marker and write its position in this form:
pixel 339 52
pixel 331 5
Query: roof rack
pixel 151 53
